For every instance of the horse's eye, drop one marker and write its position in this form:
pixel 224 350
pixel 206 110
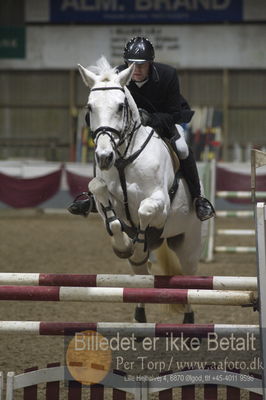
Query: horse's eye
pixel 88 107
pixel 120 107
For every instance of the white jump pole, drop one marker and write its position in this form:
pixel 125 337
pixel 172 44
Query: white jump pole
pixel 223 194
pixel 236 232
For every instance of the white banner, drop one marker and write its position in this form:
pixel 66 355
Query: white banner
pixel 184 46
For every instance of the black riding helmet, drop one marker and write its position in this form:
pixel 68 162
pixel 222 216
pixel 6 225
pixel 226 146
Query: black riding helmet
pixel 138 50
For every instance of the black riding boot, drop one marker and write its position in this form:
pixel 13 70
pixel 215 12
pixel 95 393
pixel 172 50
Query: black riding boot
pixel 204 208
pixel 84 203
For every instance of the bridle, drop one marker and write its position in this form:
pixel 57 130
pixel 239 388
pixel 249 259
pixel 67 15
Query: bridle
pixel 105 129
pixel 108 130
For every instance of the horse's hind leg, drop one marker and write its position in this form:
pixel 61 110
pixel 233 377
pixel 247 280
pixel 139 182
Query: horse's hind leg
pixel 144 269
pixel 187 248
pixel 121 243
pixel 150 212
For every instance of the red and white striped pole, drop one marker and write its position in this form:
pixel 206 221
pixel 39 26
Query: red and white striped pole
pixel 137 281
pixel 127 295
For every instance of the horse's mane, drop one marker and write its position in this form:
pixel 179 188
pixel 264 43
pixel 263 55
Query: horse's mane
pixel 107 73
pixel 103 69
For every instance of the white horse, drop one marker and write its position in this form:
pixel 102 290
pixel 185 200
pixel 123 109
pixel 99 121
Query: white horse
pixel 133 182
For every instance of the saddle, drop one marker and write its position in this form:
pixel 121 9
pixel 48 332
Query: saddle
pixel 173 155
pixel 176 167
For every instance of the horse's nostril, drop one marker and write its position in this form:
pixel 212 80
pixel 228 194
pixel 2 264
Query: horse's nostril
pixel 110 157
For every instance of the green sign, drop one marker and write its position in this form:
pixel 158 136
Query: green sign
pixel 12 42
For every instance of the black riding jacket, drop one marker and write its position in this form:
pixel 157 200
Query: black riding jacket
pixel 161 97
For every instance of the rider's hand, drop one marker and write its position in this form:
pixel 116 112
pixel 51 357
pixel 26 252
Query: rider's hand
pixel 161 123
pixel 145 117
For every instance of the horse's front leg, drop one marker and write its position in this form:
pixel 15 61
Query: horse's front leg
pixel 121 243
pixel 152 212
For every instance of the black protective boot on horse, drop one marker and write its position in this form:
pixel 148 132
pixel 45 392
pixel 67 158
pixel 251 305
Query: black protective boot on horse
pixel 204 208
pixel 83 204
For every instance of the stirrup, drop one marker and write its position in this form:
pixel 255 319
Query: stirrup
pixel 204 208
pixel 83 206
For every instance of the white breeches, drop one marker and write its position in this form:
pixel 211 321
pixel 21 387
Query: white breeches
pixel 181 144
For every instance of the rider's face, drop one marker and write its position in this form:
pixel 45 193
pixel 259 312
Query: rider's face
pixel 141 71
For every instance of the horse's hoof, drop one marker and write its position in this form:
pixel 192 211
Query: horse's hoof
pixel 137 264
pixel 123 254
pixel 140 315
pixel 189 318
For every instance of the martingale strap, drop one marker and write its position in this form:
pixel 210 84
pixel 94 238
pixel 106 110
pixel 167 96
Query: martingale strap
pixel 121 164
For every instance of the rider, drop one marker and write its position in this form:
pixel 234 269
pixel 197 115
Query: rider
pixel 155 89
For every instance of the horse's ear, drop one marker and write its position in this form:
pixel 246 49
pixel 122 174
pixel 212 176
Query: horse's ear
pixel 89 78
pixel 125 76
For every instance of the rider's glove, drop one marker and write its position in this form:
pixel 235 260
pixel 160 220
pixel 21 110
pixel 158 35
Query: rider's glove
pixel 144 117
pixel 162 123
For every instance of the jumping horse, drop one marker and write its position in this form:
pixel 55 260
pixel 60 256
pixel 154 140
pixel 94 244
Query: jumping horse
pixel 139 196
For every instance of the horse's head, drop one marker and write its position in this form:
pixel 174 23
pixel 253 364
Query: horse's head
pixel 110 113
